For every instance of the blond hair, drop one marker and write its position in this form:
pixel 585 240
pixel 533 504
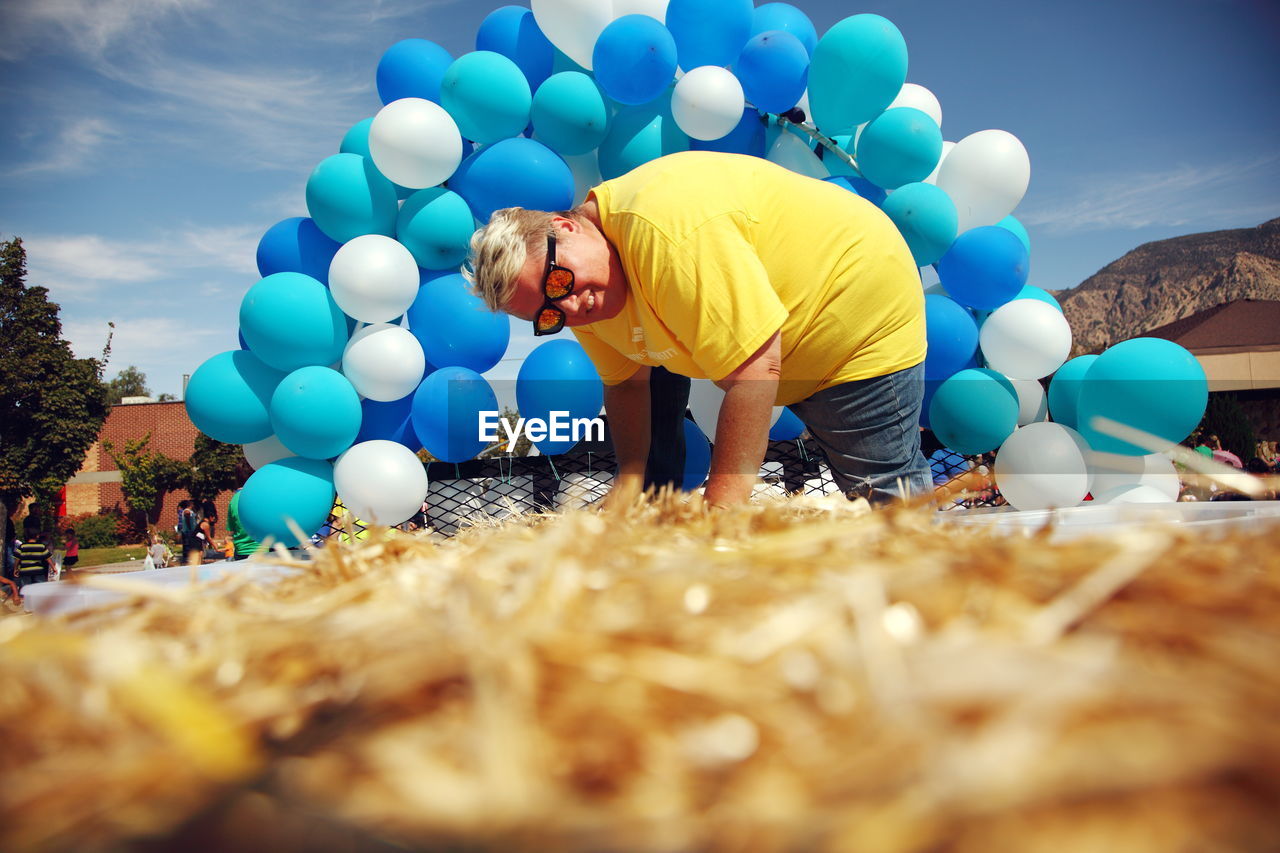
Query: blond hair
pixel 500 249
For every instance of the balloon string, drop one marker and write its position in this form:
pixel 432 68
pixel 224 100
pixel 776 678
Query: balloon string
pixel 826 142
pixel 457 472
pixel 804 457
pixel 552 463
pixel 589 471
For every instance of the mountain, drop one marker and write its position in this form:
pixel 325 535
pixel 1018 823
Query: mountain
pixel 1167 280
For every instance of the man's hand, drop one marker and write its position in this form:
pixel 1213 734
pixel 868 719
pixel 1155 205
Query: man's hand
pixel 627 405
pixel 742 433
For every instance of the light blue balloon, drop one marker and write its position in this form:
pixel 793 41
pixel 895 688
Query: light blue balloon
pixel 640 134
pixel 709 32
pixel 514 173
pixel 356 141
pixel 436 225
pixel 412 68
pixel 290 320
pixel 985 267
pixel 1150 384
pixel 952 336
pixel 634 59
pixel 784 16
pixel 745 138
pixel 296 245
pixel 455 327
pixel 1018 229
pixel 973 412
pixel 512 32
pixel 774 70
pixel 228 398
pixel 446 413
pixel 1064 390
pixel 788 427
pixel 1030 291
pixel 926 218
pixel 570 114
pixel 286 493
pixel 315 412
pixel 559 377
pixel 487 95
pixel 858 68
pixel 697 456
pixel 348 197
pixel 899 146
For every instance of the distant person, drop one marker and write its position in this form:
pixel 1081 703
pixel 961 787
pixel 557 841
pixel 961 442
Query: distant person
pixel 159 552
pixel 204 533
pixel 33 557
pixel 188 528
pixel 71 549
pixel 244 545
pixel 209 512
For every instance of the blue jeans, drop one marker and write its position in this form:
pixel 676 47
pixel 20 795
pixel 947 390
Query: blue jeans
pixel 870 432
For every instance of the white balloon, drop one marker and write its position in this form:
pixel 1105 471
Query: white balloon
pixel 373 278
pixel 380 482
pixel 1112 472
pixel 656 9
pixel 708 102
pixel 1133 493
pixel 704 404
pixel 933 176
pixel 573 25
pixel 791 152
pixel 1032 404
pixel 1042 466
pixel 384 362
pixel 920 98
pixel 267 450
pixel 1025 339
pixel 415 143
pixel 986 175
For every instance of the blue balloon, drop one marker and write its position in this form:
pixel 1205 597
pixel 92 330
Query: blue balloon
pixel 1018 229
pixel 455 327
pixel 288 493
pixel 1030 291
pixel 356 141
pixel 487 95
pixel 859 186
pixel 315 412
pixel 697 456
pixel 412 68
pixel 774 70
pixel 746 138
pixel 709 32
pixel 926 218
pixel 348 197
pixel 973 412
pixel 436 225
pixel 858 68
pixel 952 335
pixel 985 267
pixel 787 427
pixel 1064 390
pixel 513 173
pixel 899 146
pixel 558 377
pixel 447 408
pixel 512 32
pixel 296 245
pixel 640 134
pixel 785 17
pixel 290 320
pixel 390 421
pixel 228 398
pixel 1149 384
pixel 634 59
pixel 570 114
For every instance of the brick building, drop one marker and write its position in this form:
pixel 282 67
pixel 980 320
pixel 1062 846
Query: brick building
pixel 96 486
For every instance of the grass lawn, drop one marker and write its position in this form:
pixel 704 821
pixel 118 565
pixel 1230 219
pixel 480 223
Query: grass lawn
pixel 102 556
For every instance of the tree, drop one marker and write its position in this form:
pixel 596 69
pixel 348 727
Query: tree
pixel 214 468
pixel 52 404
pixel 130 382
pixel 145 475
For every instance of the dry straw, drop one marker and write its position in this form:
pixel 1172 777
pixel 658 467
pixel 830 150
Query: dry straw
pixel 802 675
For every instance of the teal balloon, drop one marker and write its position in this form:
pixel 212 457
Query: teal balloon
pixel 558 377
pixel 455 327
pixel 285 494
pixel 1018 230
pixel 1030 291
pixel 315 412
pixel 899 146
pixel 787 427
pixel 858 68
pixel 634 59
pixel 570 115
pixel 709 32
pixel 1064 390
pixel 228 398
pixel 348 197
pixel 973 412
pixel 697 456
pixel 289 320
pixel 640 134
pixel 436 225
pixel 926 218
pixel 356 141
pixel 487 95
pixel 1150 384
pixel 446 413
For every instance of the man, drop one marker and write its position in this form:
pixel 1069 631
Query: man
pixel 781 289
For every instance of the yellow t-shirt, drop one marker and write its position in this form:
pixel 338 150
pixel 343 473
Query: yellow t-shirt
pixel 722 250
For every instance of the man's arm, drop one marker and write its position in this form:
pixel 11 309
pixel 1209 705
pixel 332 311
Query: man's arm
pixel 627 405
pixel 742 434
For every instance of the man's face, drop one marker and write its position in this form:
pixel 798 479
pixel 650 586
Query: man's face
pixel 599 290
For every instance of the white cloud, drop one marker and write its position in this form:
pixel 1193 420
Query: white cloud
pixel 89 28
pixel 73 148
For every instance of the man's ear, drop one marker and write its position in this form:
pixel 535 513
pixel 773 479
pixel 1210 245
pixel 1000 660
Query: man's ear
pixel 565 224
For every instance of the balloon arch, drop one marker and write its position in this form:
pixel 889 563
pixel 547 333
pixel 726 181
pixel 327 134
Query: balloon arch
pixel 362 343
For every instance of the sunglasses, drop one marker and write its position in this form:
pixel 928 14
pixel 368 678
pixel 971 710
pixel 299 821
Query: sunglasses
pixel 557 283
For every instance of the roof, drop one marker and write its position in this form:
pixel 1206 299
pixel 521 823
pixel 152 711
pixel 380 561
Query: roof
pixel 1240 326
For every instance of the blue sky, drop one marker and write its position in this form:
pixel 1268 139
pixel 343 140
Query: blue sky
pixel 148 144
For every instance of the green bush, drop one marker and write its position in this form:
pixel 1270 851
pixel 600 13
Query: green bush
pixel 95 531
